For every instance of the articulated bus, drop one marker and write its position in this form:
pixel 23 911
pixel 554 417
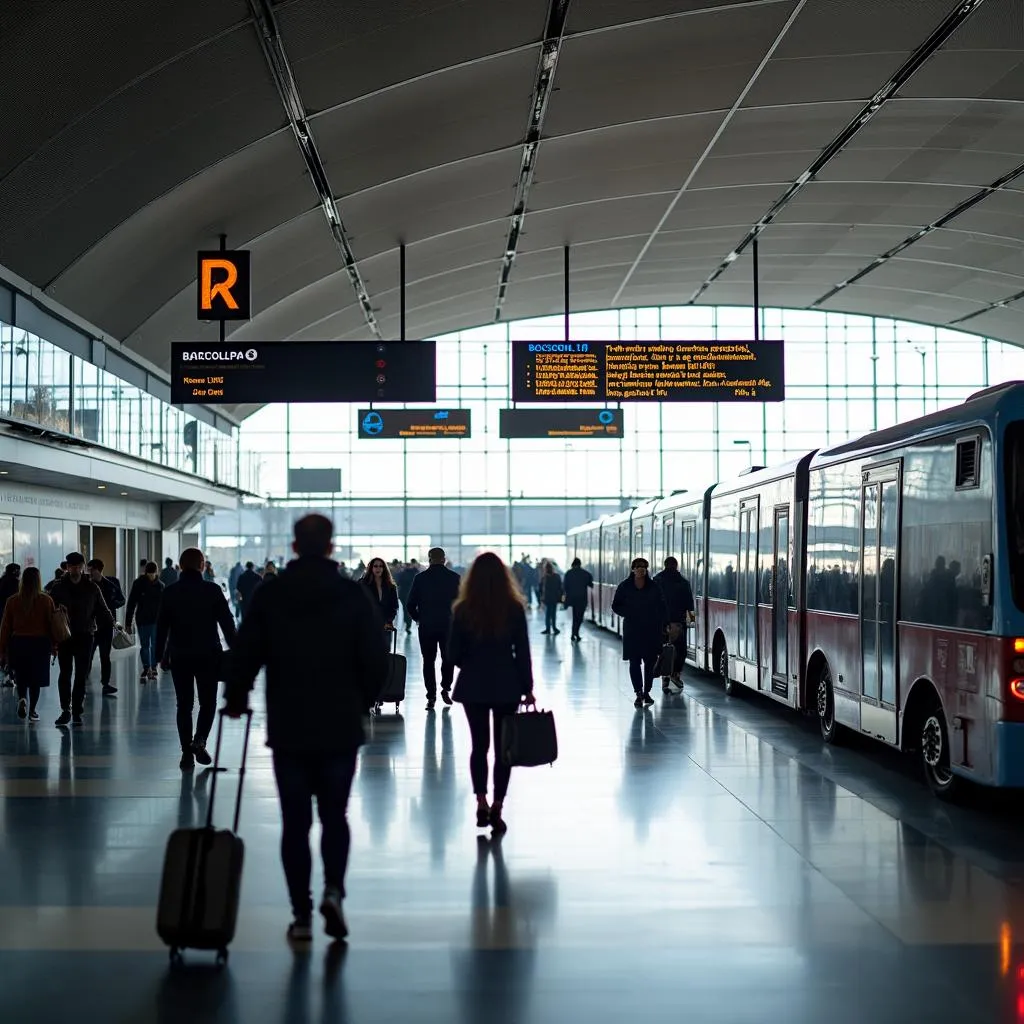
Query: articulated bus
pixel 878 584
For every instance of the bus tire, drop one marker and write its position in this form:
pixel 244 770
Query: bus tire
pixel 825 703
pixel 722 669
pixel 933 746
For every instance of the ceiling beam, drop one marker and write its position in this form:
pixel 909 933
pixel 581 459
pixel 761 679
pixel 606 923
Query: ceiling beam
pixel 281 71
pixel 547 64
pixel 938 37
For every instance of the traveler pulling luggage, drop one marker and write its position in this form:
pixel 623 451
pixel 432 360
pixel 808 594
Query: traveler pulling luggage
pixel 202 876
pixel 393 691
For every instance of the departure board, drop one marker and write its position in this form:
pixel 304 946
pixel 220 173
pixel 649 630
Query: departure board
pixel 648 371
pixel 302 371
pixel 408 424
pixel 531 423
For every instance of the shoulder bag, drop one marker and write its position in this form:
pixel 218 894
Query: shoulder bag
pixel 528 738
pixel 60 626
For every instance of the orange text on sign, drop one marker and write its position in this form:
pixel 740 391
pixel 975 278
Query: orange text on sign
pixel 218 289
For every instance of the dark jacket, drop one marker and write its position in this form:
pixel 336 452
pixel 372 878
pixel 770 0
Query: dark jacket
pixel 430 601
pixel 678 595
pixel 113 595
pixel 190 612
pixel 84 603
pixel 144 602
pixel 247 584
pixel 387 603
pixel 644 618
pixel 405 580
pixel 168 575
pixel 492 670
pixel 8 588
pixel 318 636
pixel 576 584
pixel 551 588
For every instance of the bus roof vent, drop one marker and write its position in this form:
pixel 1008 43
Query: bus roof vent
pixel 995 389
pixel 751 469
pixel 967 462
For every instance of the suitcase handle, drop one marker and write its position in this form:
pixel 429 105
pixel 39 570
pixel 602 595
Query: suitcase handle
pixel 241 769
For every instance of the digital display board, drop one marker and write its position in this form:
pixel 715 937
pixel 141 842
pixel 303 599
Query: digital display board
pixel 648 371
pixel 258 372
pixel 525 423
pixel 403 424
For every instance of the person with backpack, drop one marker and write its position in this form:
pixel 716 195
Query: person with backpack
pixel 187 642
pixel 318 637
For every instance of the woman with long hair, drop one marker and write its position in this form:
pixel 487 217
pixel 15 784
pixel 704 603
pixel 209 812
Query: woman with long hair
pixel 377 580
pixel 490 646
pixel 27 640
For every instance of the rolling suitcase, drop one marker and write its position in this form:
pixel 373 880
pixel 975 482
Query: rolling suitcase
pixel 202 877
pixel 393 690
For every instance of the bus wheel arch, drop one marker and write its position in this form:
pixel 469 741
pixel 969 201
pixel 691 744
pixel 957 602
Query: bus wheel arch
pixel 720 661
pixel 925 735
pixel 821 697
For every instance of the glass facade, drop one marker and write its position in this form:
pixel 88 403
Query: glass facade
pixel 43 385
pixel 845 376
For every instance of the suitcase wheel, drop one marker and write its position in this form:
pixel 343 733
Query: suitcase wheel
pixel 397 706
pixel 222 957
pixel 176 958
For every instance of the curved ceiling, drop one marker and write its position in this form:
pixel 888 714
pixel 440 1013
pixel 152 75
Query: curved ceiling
pixel 875 148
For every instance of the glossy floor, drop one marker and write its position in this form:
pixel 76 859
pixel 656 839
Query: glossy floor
pixel 705 860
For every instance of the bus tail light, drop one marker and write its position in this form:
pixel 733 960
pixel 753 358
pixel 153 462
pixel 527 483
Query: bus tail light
pixel 1018 645
pixel 1017 689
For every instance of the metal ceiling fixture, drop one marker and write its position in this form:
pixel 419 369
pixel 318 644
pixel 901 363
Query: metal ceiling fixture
pixel 544 86
pixel 956 17
pixel 961 208
pixel 280 69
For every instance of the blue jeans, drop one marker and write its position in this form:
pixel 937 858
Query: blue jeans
pixel 147 644
pixel 551 616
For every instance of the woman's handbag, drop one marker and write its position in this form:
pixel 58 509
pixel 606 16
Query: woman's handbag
pixel 122 640
pixel 529 739
pixel 60 626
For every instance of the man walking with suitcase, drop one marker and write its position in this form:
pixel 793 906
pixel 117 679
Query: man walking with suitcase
pixel 430 604
pixel 317 635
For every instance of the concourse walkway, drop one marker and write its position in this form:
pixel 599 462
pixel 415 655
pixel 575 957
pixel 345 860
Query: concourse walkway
pixel 706 860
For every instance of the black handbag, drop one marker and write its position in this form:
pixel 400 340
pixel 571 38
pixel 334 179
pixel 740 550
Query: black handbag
pixel 529 739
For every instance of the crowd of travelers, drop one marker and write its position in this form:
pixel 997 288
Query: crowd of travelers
pixel 322 633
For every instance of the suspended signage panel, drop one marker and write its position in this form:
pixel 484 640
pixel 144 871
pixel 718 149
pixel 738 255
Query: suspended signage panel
pixel 411 424
pixel 527 423
pixel 648 371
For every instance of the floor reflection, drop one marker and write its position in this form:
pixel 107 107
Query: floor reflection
pixel 441 794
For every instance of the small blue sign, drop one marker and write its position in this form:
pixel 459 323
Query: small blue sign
pixel 373 423
pixel 605 416
pixel 441 414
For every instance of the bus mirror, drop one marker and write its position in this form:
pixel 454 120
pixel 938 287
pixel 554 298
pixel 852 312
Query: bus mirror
pixel 986 581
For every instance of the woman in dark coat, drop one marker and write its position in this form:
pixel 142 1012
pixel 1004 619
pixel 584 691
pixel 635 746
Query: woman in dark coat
pixel 384 594
pixel 490 647
pixel 641 604
pixel 27 640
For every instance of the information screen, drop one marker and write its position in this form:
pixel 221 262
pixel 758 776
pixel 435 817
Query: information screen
pixel 654 371
pixel 524 423
pixel 302 371
pixel 389 424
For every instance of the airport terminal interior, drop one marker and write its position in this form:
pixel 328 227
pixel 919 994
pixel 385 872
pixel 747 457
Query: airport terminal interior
pixel 595 286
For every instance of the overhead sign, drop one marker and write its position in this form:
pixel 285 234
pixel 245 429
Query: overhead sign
pixel 404 424
pixel 224 285
pixel 258 372
pixel 314 481
pixel 648 371
pixel 524 423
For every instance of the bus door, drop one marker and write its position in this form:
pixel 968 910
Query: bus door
pixel 880 493
pixel 687 566
pixel 746 590
pixel 780 604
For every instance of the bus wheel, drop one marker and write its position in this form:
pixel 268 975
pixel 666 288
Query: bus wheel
pixel 723 670
pixel 935 754
pixel 826 700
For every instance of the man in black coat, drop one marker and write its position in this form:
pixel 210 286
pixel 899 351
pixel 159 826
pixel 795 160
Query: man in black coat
pixel 86 609
pixel 318 636
pixel 641 604
pixel 577 584
pixel 430 604
pixel 246 587
pixel 103 638
pixel 679 600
